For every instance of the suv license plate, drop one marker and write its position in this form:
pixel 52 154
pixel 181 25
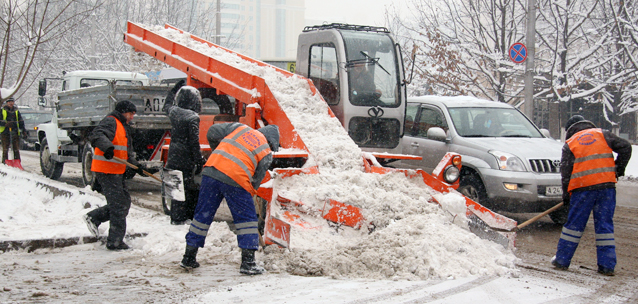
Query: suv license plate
pixel 553 190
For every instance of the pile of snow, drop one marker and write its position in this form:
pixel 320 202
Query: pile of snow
pixel 411 239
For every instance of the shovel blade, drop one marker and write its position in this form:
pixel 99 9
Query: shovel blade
pixel 14 163
pixel 173 182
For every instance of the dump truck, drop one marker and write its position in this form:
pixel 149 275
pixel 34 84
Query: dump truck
pixel 263 94
pixel 84 99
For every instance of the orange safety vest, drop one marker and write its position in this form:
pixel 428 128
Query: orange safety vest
pixel 594 159
pixel 111 166
pixel 238 154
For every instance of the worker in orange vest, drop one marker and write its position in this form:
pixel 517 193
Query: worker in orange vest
pixel 589 173
pixel 240 159
pixel 111 138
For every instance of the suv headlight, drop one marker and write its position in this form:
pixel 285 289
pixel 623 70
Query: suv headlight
pixel 508 162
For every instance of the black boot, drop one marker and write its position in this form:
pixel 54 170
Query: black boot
pixel 248 265
pixel 189 260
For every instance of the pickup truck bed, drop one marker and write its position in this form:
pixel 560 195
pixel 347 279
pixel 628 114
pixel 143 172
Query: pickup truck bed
pixel 86 107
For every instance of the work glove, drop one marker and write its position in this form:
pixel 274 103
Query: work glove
pixel 150 170
pixel 24 135
pixel 619 172
pixel 178 86
pixel 108 154
pixel 140 170
pixel 10 124
pixel 199 165
pixel 566 199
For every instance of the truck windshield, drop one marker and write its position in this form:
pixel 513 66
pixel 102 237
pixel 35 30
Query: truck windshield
pixel 492 122
pixel 373 76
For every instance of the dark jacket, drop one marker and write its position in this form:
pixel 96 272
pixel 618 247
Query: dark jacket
pixel 10 122
pixel 102 136
pixel 184 150
pixel 218 132
pixel 621 146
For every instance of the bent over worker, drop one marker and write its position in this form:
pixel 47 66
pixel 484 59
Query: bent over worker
pixel 240 159
pixel 589 172
pixel 111 138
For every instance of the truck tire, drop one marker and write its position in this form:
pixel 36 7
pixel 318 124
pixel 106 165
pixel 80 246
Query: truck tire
pixel 50 168
pixel 88 177
pixel 471 186
pixel 560 216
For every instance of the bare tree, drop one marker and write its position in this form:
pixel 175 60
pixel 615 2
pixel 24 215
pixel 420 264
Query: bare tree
pixel 32 28
pixel 586 52
pixel 464 46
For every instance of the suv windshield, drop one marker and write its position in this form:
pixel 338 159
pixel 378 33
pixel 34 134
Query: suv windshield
pixel 492 122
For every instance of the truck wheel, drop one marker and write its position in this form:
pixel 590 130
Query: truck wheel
pixel 560 216
pixel 471 186
pixel 50 168
pixel 88 177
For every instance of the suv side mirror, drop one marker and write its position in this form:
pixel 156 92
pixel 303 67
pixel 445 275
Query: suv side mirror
pixel 436 133
pixel 545 133
pixel 42 87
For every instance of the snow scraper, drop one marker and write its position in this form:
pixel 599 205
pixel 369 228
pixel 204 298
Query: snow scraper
pixel 14 163
pixel 172 181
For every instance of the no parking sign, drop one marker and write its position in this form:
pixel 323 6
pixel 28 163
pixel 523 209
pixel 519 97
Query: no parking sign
pixel 518 52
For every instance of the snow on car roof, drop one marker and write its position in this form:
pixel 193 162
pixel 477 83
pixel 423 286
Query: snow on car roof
pixel 107 74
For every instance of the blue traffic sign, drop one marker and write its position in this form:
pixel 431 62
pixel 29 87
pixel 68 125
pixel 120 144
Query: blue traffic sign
pixel 518 52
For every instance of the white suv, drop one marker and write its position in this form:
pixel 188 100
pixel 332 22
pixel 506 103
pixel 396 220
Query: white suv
pixel 508 163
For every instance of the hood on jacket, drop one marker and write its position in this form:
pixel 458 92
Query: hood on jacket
pixel 189 98
pixel 271 132
pixel 579 126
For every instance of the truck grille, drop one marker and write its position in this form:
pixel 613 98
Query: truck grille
pixel 545 165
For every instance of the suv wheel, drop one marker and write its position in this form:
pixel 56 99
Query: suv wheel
pixel 471 186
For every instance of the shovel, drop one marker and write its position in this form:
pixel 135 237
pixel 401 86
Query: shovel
pixel 14 163
pixel 534 219
pixel 173 181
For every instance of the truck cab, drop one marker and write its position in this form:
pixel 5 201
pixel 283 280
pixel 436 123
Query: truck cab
pixel 358 71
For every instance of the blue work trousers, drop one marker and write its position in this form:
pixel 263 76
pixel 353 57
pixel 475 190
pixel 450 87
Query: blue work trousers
pixel 603 204
pixel 241 206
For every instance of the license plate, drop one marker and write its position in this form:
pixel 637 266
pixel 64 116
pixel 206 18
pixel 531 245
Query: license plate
pixel 153 105
pixel 553 190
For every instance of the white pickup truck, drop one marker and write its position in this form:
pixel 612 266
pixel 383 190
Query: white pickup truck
pixel 86 97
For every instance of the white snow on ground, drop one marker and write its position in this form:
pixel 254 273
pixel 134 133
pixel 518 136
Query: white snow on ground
pixel 414 243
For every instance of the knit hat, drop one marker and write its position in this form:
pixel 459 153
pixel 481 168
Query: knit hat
pixel 9 99
pixel 271 132
pixel 125 106
pixel 574 119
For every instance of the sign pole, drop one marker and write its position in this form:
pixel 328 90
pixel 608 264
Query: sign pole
pixel 528 108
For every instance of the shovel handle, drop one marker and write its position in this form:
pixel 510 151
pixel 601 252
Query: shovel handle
pixel 534 219
pixel 135 167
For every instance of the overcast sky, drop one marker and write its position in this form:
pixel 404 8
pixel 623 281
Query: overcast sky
pixel 362 12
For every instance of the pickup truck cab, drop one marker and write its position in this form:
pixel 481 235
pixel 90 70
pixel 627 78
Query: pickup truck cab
pixel 508 164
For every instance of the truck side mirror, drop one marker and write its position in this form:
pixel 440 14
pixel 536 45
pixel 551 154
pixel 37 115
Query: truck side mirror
pixel 42 101
pixel 42 88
